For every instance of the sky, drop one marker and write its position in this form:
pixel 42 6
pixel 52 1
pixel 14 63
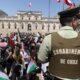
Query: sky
pixel 12 6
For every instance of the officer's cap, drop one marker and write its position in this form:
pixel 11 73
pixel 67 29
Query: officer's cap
pixel 70 12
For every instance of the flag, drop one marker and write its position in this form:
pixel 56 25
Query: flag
pixel 10 41
pixel 3 76
pixel 58 1
pixel 31 67
pixel 30 4
pixel 68 2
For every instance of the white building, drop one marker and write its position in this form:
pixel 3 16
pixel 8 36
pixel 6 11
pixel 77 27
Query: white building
pixel 28 21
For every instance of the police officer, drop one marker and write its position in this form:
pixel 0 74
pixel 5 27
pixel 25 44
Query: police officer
pixel 62 48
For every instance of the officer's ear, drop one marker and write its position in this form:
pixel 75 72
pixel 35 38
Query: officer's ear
pixel 74 22
pixel 73 19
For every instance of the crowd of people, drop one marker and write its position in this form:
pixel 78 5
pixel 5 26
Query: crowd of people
pixel 18 53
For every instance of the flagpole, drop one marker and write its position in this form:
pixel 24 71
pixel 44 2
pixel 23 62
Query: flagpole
pixel 73 3
pixel 29 5
pixel 63 5
pixel 49 17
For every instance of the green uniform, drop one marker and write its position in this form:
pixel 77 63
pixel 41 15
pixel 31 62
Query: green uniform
pixel 45 49
pixel 66 32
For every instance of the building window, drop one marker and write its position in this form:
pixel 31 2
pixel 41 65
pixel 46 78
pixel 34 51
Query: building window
pixel 48 27
pixel 29 27
pixel 59 26
pixel 54 27
pixel 2 25
pixel 22 26
pixel 8 25
pixel 36 18
pixel 29 18
pixel 22 18
pixel 36 26
pixel 15 26
pixel 43 27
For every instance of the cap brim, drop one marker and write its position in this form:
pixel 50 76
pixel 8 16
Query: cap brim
pixel 70 12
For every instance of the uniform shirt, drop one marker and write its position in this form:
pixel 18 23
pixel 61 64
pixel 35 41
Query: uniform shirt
pixel 45 48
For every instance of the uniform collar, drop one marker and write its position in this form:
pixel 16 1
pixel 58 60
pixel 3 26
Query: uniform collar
pixel 66 28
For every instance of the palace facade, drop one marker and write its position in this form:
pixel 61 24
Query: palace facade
pixel 28 21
